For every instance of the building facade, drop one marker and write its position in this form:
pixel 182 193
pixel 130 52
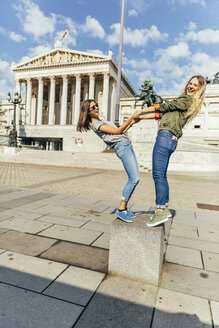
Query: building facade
pixel 55 85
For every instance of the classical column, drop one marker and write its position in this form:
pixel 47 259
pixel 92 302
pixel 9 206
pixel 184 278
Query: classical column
pixel 77 98
pixel 18 89
pixel 28 100
pixel 64 101
pixel 85 97
pixel 113 101
pixel 72 102
pixel 52 101
pixel 91 86
pixel 206 116
pixel 105 94
pixel 40 102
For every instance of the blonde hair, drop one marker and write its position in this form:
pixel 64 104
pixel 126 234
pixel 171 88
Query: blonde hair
pixel 197 98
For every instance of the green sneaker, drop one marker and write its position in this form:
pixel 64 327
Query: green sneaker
pixel 167 212
pixel 158 218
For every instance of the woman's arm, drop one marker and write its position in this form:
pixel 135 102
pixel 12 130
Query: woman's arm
pixel 124 127
pixel 147 116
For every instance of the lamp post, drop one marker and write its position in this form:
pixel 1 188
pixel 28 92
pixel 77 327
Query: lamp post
pixel 120 63
pixel 13 134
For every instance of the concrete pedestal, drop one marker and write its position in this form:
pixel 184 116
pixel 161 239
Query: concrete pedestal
pixel 136 251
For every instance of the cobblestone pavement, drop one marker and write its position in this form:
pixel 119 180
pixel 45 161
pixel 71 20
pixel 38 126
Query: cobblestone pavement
pixel 185 190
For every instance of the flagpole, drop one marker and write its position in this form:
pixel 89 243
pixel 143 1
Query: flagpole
pixel 120 63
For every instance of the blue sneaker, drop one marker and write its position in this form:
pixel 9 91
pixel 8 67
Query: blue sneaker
pixel 123 216
pixel 131 214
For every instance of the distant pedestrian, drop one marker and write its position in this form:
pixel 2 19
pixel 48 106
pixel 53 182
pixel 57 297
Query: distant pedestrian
pixel 116 138
pixel 173 116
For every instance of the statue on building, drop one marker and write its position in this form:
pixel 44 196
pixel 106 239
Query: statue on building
pixel 216 78
pixel 148 95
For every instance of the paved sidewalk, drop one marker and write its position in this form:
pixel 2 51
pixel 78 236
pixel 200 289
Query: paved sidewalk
pixel 185 190
pixel 54 258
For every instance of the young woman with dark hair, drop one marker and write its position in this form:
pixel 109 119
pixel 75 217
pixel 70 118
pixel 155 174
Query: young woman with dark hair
pixel 116 138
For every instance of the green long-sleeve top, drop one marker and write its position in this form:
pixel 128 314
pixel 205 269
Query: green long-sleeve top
pixel 173 114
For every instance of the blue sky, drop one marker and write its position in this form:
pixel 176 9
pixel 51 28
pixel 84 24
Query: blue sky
pixel 164 40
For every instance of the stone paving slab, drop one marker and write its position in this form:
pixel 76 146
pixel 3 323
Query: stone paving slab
pixel 97 226
pixel 2 209
pixel 28 272
pixel 103 241
pixel 71 234
pixel 184 216
pixel 179 229
pixel 2 251
pixel 179 310
pixel 76 221
pixel 2 230
pixel 37 205
pixel 25 309
pixel 215 313
pixel 79 255
pixel 211 261
pixel 184 256
pixel 75 285
pixel 120 303
pixel 104 217
pixel 63 211
pixel 4 216
pixel 191 281
pixel 24 225
pixel 83 201
pixel 211 215
pixel 25 243
pixel 208 220
pixel 20 213
pixel 140 208
pixel 208 234
pixel 198 243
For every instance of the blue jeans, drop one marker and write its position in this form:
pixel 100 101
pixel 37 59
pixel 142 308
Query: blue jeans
pixel 126 153
pixel 164 146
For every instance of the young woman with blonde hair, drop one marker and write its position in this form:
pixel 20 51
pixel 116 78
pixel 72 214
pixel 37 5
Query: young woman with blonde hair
pixel 173 116
pixel 116 138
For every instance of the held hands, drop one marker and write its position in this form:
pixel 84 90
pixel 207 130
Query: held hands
pixel 136 114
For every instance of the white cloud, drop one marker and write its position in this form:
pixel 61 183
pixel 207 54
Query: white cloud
pixel 93 27
pixel 133 12
pixel 207 36
pixel 16 37
pixel 192 26
pixel 137 37
pixel 176 51
pixel 34 52
pixel 12 35
pixel 204 64
pixel 33 20
pixel 2 30
pixel 140 5
pixel 95 51
pixel 187 2
pixel 6 79
pixel 136 64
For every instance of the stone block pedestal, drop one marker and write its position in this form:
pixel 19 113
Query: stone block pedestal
pixel 136 251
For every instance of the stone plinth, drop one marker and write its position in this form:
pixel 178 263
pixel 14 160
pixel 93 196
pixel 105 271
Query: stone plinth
pixel 136 251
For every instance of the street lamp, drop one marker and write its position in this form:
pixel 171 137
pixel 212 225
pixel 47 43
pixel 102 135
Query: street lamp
pixel 120 63
pixel 13 134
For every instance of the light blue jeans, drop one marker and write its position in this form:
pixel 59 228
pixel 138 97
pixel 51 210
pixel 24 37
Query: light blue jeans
pixel 164 146
pixel 126 153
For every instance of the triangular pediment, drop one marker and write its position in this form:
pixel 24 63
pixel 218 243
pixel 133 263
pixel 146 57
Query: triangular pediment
pixel 62 56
